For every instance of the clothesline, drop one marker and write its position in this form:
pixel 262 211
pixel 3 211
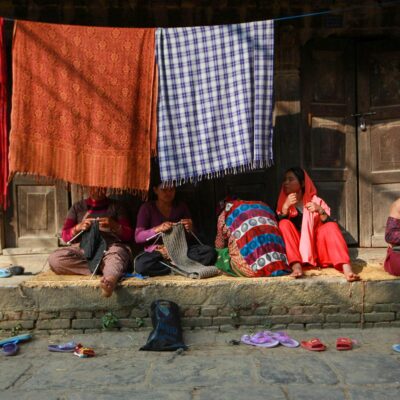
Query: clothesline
pixel 379 4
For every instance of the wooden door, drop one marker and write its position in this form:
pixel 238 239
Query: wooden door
pixel 329 137
pixel 378 76
pixel 36 214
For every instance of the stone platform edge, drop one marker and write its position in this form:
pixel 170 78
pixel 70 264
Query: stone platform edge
pixel 223 306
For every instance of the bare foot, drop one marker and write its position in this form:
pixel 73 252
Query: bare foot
pixel 349 274
pixel 107 286
pixel 297 270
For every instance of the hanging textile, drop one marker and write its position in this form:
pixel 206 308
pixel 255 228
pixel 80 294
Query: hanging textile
pixel 3 120
pixel 83 104
pixel 215 100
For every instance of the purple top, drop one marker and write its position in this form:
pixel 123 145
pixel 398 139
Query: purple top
pixel 150 216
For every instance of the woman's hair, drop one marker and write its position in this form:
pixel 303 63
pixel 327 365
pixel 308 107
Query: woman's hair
pixel 299 174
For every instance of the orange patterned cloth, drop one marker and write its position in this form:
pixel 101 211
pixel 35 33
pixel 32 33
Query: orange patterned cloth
pixel 84 104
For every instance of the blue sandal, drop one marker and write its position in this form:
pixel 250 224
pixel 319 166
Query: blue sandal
pixel 10 349
pixel 16 339
pixel 4 273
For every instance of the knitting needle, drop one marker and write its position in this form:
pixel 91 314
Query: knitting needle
pixel 97 266
pixel 196 237
pixel 80 232
pixel 75 237
pixel 152 237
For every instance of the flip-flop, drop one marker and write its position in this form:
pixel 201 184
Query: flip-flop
pixel 284 339
pixel 259 339
pixel 344 343
pixel 62 348
pixel 313 345
pixel 396 347
pixel 4 273
pixel 10 349
pixel 84 352
pixel 16 339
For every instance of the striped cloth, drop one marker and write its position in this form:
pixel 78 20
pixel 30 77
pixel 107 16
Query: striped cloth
pixel 215 100
pixel 254 227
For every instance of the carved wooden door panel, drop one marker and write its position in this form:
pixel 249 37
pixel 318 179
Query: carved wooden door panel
pixel 329 137
pixel 36 214
pixel 379 136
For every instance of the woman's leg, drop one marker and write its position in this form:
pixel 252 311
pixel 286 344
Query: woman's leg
pixel 115 263
pixel 69 261
pixel 332 249
pixel 392 262
pixel 291 238
pixel 148 264
pixel 203 254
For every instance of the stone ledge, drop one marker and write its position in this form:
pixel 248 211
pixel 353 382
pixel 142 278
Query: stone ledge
pixel 221 303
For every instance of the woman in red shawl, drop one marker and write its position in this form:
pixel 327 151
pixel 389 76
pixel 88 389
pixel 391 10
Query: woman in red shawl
pixel 311 236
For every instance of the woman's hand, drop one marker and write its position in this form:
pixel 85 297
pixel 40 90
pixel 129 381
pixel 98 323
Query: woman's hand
pixel 84 225
pixel 109 224
pixel 164 227
pixel 187 224
pixel 313 207
pixel 291 200
pixel 163 250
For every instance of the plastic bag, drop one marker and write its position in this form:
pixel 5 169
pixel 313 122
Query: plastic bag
pixel 167 331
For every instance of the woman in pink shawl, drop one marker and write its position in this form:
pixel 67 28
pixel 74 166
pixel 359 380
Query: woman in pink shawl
pixel 311 237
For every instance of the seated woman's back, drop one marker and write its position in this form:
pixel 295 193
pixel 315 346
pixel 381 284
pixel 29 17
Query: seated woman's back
pixel 250 230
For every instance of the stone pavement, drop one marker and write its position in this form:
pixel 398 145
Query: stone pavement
pixel 211 369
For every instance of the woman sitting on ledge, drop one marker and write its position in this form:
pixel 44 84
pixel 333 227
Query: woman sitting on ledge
pixel 312 238
pixel 250 241
pixel 392 236
pixel 156 217
pixel 114 228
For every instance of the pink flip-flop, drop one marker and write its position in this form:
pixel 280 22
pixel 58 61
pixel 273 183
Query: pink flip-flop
pixel 284 339
pixel 259 339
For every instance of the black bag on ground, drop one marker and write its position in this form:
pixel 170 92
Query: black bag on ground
pixel 167 331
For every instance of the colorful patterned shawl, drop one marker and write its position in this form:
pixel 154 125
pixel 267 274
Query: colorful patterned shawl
pixel 255 229
pixel 84 104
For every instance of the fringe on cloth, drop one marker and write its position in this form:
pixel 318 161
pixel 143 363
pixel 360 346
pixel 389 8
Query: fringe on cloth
pixel 220 174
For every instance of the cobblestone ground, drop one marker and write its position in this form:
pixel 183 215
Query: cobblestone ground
pixel 211 369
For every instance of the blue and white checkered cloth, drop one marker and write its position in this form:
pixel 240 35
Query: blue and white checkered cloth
pixel 215 100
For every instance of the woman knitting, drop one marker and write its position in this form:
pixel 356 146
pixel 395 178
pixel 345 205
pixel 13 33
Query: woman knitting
pixel 159 216
pixel 114 228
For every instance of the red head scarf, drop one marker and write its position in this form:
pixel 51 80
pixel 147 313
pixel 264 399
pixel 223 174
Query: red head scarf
pixel 309 192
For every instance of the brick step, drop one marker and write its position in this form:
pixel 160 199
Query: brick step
pixel 51 303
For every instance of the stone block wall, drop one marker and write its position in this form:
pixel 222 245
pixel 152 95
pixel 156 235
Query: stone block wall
pixel 210 317
pixel 225 306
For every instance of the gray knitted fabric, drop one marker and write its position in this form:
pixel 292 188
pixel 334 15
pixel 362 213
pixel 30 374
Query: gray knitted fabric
pixel 175 242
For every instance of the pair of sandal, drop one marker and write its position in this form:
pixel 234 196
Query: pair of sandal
pixel 342 344
pixel 269 339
